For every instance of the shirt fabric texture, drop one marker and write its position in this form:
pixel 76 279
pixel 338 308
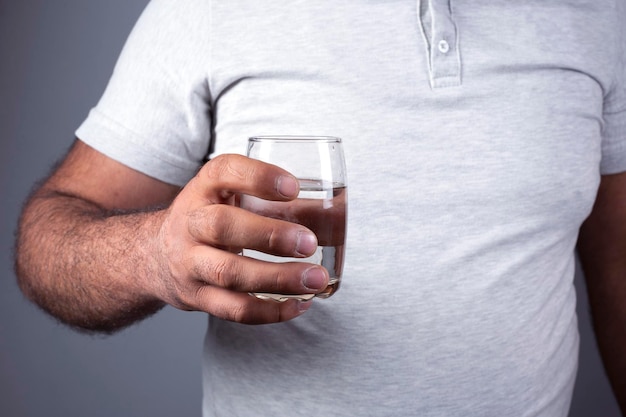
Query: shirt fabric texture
pixel 475 134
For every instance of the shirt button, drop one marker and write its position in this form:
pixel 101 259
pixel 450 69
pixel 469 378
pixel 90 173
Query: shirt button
pixel 443 46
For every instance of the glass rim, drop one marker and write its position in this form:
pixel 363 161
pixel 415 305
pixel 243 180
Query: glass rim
pixel 295 138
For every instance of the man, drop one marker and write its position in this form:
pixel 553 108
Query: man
pixel 479 137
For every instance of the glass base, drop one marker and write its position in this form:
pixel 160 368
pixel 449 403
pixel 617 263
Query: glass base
pixel 332 288
pixel 281 298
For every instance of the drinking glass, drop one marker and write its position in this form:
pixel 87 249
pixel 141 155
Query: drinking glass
pixel 318 164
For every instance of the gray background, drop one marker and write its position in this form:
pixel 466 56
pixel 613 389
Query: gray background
pixel 55 59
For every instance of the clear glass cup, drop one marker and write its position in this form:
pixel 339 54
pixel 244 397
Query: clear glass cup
pixel 318 163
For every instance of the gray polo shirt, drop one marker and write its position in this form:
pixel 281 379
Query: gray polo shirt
pixel 475 135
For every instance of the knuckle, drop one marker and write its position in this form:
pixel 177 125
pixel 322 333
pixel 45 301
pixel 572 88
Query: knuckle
pixel 280 238
pixel 212 222
pixel 200 295
pixel 241 314
pixel 224 165
pixel 222 273
pixel 273 239
pixel 218 271
pixel 274 281
pixel 183 296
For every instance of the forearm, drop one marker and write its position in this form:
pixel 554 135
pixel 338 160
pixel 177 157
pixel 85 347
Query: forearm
pixel 88 267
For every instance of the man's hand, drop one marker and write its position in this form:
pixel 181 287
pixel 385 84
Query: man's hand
pixel 204 231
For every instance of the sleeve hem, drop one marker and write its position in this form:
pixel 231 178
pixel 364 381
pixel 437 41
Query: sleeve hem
pixel 126 147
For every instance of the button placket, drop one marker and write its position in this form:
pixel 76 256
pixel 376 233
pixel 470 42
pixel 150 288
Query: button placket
pixel 441 40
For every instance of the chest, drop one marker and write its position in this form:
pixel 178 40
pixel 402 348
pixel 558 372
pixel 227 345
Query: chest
pixel 519 134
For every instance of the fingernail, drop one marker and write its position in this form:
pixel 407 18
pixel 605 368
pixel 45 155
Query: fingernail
pixel 306 244
pixel 287 186
pixel 304 305
pixel 314 279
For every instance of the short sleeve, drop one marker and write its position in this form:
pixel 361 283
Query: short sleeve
pixel 614 113
pixel 155 114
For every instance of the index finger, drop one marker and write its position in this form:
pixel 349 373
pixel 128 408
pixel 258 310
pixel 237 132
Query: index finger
pixel 227 175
